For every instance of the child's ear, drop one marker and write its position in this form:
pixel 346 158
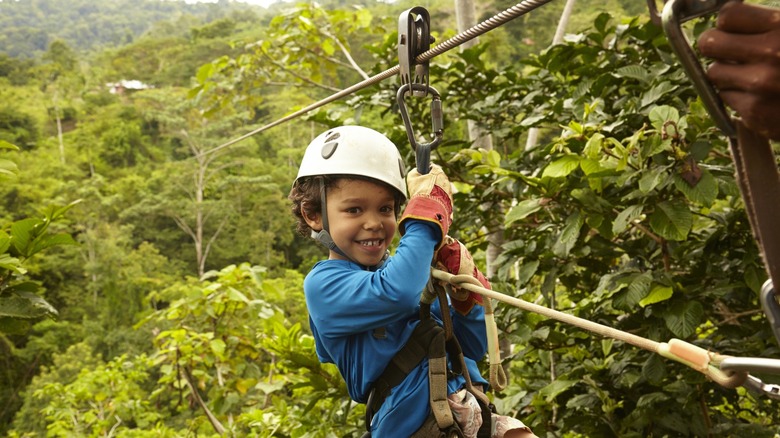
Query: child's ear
pixel 313 220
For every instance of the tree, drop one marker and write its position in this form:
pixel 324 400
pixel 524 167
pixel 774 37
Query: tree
pixel 627 214
pixel 307 46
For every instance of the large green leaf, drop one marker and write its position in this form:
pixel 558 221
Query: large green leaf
pixel 653 178
pixel 625 217
pixel 657 294
pixel 555 388
pixel 523 209
pixel 683 318
pixel 638 288
pixel 703 193
pixel 8 167
pixel 6 145
pixel 25 305
pixel 672 221
pixel 569 235
pixel 562 166
pixel 50 240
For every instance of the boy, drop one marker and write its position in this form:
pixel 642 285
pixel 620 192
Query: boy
pixel 364 305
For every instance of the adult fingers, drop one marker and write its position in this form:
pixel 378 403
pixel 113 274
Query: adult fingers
pixel 740 17
pixel 759 113
pixel 758 78
pixel 735 47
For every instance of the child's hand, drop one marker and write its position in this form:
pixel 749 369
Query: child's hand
pixel 430 199
pixel 454 258
pixel 746 49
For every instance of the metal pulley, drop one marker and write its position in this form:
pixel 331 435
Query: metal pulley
pixel 414 38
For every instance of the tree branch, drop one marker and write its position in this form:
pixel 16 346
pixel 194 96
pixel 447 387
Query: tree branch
pixel 302 78
pixel 346 54
pixel 218 427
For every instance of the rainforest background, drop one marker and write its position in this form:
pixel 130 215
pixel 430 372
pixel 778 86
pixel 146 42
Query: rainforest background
pixel 151 279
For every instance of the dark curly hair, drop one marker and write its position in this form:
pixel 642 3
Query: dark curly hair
pixel 305 195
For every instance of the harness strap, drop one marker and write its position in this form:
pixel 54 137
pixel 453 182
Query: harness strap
pixel 407 358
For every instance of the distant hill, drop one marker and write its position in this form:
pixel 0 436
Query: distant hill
pixel 29 26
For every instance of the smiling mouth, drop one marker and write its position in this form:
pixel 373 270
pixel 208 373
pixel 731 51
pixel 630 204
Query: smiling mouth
pixel 371 243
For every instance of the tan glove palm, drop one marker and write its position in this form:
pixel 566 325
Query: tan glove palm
pixel 430 199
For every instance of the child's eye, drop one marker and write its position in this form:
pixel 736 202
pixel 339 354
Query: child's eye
pixel 387 209
pixel 353 210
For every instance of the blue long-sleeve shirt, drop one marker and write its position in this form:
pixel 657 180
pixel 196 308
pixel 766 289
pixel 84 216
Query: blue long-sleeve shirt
pixel 346 304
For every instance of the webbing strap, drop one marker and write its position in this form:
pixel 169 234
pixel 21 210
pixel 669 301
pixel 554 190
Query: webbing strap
pixel 411 354
pixel 437 381
pixel 759 182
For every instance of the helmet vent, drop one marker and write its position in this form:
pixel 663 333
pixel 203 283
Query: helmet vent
pixel 329 148
pixel 331 136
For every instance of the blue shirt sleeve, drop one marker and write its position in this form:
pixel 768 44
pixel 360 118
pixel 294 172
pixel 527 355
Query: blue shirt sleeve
pixel 344 299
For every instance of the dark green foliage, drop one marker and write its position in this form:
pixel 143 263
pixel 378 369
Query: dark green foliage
pixel 30 25
pixel 625 212
pixel 18 128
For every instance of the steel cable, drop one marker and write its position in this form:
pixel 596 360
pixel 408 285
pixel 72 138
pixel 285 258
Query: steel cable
pixel 491 23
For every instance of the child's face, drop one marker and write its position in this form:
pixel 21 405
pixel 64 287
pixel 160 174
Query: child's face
pixel 362 220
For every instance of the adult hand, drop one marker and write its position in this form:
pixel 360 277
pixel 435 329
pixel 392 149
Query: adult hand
pixel 745 46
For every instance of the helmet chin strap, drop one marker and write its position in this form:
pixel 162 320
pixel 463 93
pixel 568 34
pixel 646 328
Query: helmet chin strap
pixel 325 239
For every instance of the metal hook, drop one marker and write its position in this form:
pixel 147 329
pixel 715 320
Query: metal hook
pixel 674 13
pixel 757 365
pixel 423 151
pixel 757 386
pixel 414 38
pixel 655 16
pixel 771 307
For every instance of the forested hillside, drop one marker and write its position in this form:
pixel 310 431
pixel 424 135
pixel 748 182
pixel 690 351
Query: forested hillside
pixel 29 26
pixel 151 276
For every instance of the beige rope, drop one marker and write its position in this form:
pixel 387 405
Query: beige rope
pixel 688 354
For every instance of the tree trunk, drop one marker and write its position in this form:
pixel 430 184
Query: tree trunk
pixel 59 127
pixel 533 133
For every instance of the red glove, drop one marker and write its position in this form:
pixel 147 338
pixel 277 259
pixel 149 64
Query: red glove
pixel 746 49
pixel 454 258
pixel 430 199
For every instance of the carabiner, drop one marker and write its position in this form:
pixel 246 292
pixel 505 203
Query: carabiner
pixel 422 151
pixel 771 307
pixel 674 13
pixel 750 364
pixel 756 386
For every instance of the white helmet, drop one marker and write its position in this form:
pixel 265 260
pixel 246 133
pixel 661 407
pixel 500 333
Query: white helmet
pixel 354 150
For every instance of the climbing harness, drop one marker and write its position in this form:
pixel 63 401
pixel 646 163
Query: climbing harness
pixel 756 172
pixel 436 343
pixel 430 340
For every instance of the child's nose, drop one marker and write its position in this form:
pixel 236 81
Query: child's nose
pixel 373 221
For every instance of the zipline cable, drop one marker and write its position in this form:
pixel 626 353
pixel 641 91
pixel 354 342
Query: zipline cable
pixel 491 23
